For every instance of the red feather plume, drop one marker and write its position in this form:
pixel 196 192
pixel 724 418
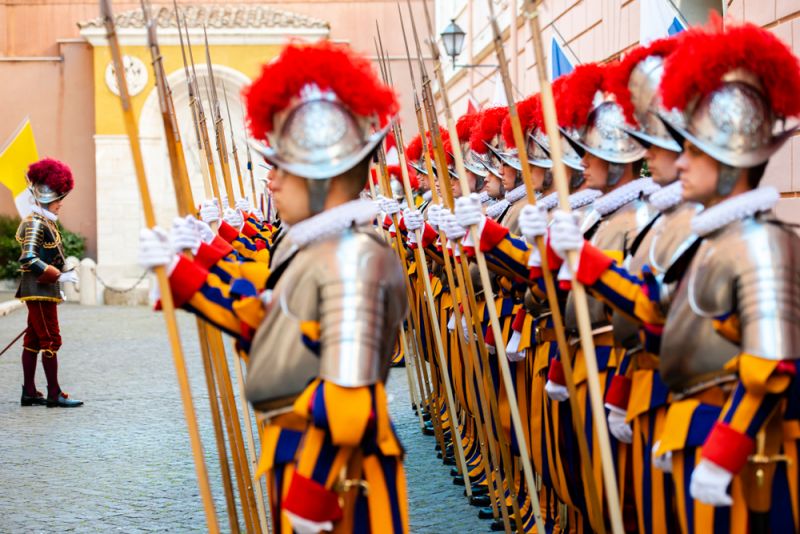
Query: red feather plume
pixel 706 55
pixel 414 149
pixel 390 141
pixel 527 110
pixel 52 173
pixel 576 94
pixel 488 126
pixel 464 125
pixel 618 76
pixel 331 67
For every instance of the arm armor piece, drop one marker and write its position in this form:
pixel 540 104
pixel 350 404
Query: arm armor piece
pixel 362 302
pixel 32 234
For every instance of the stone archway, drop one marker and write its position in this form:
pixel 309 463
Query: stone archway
pixel 229 82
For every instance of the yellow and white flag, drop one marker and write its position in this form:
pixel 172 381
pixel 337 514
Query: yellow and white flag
pixel 16 155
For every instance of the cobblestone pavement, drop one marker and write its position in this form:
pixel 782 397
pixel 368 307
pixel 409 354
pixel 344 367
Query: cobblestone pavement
pixel 122 462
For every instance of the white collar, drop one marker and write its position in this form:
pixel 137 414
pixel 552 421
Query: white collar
pixel 584 197
pixel 736 208
pixel 484 197
pixel 427 196
pixel 332 222
pixel 44 213
pixel 622 195
pixel 518 193
pixel 667 197
pixel 496 210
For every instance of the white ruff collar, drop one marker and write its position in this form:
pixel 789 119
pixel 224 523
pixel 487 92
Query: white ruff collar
pixel 667 197
pixel 496 210
pixel 44 213
pixel 484 197
pixel 583 198
pixel 332 222
pixel 620 196
pixel 518 193
pixel 576 200
pixel 736 208
pixel 427 196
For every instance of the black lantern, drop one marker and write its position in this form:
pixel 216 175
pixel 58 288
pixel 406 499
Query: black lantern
pixel 453 40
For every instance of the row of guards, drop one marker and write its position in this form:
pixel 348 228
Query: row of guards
pixel 595 304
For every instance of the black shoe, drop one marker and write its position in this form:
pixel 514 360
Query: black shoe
pixel 63 401
pixel 32 400
pixel 478 489
pixel 480 500
pixel 498 526
pixel 428 429
pixel 486 513
pixel 449 460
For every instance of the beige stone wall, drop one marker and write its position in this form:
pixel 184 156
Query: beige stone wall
pixel 57 97
pixel 598 30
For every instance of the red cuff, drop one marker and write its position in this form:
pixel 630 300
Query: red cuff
pixel 227 232
pixel 554 261
pixel 592 265
pixel 401 223
pixel 556 373
pixel 248 230
pixel 429 235
pixel 493 232
pixel 49 275
pixel 186 280
pixel 619 392
pixel 310 500
pixel 387 222
pixel 519 320
pixel 210 253
pixel 489 337
pixel 728 448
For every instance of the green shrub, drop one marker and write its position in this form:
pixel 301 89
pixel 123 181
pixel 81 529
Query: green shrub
pixel 74 245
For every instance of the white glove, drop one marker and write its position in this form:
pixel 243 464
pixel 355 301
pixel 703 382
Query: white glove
pixel 468 210
pixel 301 525
pixel 413 219
pixel 533 222
pixel 258 215
pixel 556 392
pixel 184 235
pixel 662 461
pixel 710 484
pixel 243 204
pixel 565 235
pixel 452 229
pixel 435 216
pixel 154 248
pixel 203 230
pixel 69 277
pixel 617 425
pixel 234 218
pixel 389 205
pixel 209 211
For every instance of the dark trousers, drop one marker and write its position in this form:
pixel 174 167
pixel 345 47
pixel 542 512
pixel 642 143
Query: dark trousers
pixel 42 335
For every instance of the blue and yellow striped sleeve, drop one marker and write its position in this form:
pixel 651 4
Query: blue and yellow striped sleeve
pixel 505 253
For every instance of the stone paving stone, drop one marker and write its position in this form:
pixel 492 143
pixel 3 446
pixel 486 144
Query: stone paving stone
pixel 122 463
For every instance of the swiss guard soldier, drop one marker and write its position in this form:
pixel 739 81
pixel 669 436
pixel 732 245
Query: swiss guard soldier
pixel 42 268
pixel 724 317
pixel 321 333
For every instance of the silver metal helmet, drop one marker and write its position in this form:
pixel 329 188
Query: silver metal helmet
pixel 489 161
pixel 604 138
pixel 317 137
pixel 644 84
pixel 473 162
pixel 417 166
pixel 733 124
pixel 536 156
pixel 568 154
pixel 43 195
